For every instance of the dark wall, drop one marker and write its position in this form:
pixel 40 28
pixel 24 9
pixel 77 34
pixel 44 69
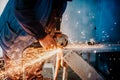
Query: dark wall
pixel 108 21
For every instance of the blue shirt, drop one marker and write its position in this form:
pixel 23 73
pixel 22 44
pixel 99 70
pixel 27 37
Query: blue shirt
pixel 24 21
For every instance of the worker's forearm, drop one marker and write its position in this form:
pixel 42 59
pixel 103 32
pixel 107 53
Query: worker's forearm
pixel 35 29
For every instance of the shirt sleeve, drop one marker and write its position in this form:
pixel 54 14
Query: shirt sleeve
pixel 25 14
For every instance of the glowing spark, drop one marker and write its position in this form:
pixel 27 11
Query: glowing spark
pixel 78 11
pixel 115 23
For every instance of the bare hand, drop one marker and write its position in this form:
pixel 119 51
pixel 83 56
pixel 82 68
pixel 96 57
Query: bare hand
pixel 48 42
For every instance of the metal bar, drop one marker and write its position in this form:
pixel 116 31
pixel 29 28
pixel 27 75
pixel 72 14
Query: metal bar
pixel 81 67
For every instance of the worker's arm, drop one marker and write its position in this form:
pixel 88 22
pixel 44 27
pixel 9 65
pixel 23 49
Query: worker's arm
pixel 25 13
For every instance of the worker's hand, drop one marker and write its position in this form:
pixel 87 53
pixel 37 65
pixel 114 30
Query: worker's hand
pixel 48 42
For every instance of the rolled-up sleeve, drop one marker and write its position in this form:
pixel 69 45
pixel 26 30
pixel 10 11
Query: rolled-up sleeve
pixel 25 14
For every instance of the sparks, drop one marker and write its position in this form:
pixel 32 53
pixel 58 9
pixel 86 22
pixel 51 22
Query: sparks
pixel 32 58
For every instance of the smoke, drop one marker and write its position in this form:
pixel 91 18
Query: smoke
pixel 79 20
